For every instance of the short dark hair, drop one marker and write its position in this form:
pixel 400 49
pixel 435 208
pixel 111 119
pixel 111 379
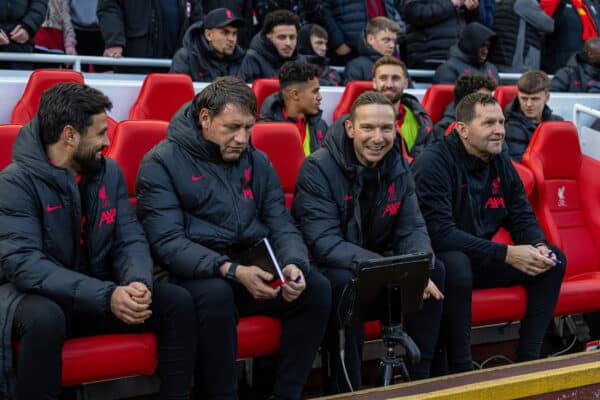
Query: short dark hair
pixel 223 91
pixel 318 31
pixel 367 98
pixel 465 110
pixel 378 24
pixel 389 60
pixel 533 82
pixel 294 72
pixel 69 103
pixel 279 17
pixel 471 83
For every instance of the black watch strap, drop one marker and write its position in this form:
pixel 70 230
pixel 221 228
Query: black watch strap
pixel 230 275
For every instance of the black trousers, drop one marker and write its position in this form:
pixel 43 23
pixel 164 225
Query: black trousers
pixel 218 304
pixel 464 274
pixel 42 327
pixel 422 327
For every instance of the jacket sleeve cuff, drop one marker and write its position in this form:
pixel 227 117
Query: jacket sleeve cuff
pixel 301 263
pixel 217 264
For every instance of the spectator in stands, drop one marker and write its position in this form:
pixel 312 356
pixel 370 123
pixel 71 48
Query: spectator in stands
pixel 464 85
pixel 582 74
pixel 378 39
pixel 74 256
pixel 519 25
pixel 312 46
pixel 19 23
pixel 87 31
pixel 298 102
pixel 56 35
pixel 467 190
pixel 147 29
pixel 575 21
pixel 412 120
pixel 210 48
pixel 527 111
pixel 205 195
pixel 272 46
pixel 434 27
pixel 349 188
pixel 469 56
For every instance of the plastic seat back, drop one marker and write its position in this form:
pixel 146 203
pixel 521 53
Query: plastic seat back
pixel 505 94
pixel 436 98
pixel 161 95
pixel 8 134
pixel 263 88
pixel 352 90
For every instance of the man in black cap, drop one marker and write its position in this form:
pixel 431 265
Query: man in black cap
pixel 210 48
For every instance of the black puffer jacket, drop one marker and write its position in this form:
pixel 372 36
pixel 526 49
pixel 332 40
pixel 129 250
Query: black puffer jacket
pixel 424 134
pixel 271 111
pixel 449 116
pixel 434 27
pixel 361 68
pixel 465 201
pixel 579 76
pixel 463 56
pixel 29 13
pixel 199 61
pixel 329 76
pixel 345 20
pixel 262 59
pixel 327 205
pixel 198 211
pixel 519 128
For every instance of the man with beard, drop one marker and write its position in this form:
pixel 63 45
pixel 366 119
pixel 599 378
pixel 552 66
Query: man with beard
pixel 413 123
pixel 312 46
pixel 298 102
pixel 582 73
pixel 355 200
pixel 468 189
pixel 469 56
pixel 272 46
pixel 210 48
pixel 75 261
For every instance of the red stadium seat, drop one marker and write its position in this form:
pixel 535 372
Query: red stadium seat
pixel 436 98
pixel 161 96
pixel 280 141
pixel 110 132
pixel 351 92
pixel 8 134
pixel 131 141
pixel 262 89
pixel 39 81
pixel 258 336
pixel 567 203
pixel 505 94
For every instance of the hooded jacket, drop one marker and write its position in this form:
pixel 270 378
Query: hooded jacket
pixel 199 211
pixel 262 59
pixel 465 201
pixel 198 60
pixel 329 76
pixel 519 128
pixel 271 111
pixel 41 231
pixel 463 56
pixel 327 204
pixel 361 68
pixel 579 76
pixel 424 134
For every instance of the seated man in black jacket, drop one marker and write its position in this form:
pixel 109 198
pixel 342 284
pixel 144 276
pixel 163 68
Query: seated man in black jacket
pixel 75 258
pixel 582 73
pixel 355 200
pixel 467 190
pixel 527 111
pixel 210 48
pixel 205 196
pixel 298 102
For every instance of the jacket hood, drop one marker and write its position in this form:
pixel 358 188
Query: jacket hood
pixel 365 49
pixel 304 45
pixel 272 107
pixel 266 49
pixel 196 44
pixel 472 38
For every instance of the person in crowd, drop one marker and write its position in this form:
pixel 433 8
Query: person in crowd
pixel 434 27
pixel 298 102
pixel 520 27
pixel 469 56
pixel 147 29
pixel 527 111
pixel 89 41
pixel 467 189
pixel 575 21
pixel 312 47
pixel 205 196
pixel 379 39
pixel 355 200
pixel 210 48
pixel 56 34
pixel 19 23
pixel 75 261
pixel 582 74
pixel 412 120
pixel 464 85
pixel 272 46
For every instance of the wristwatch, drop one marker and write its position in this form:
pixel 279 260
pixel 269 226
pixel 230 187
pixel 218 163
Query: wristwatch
pixel 230 275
